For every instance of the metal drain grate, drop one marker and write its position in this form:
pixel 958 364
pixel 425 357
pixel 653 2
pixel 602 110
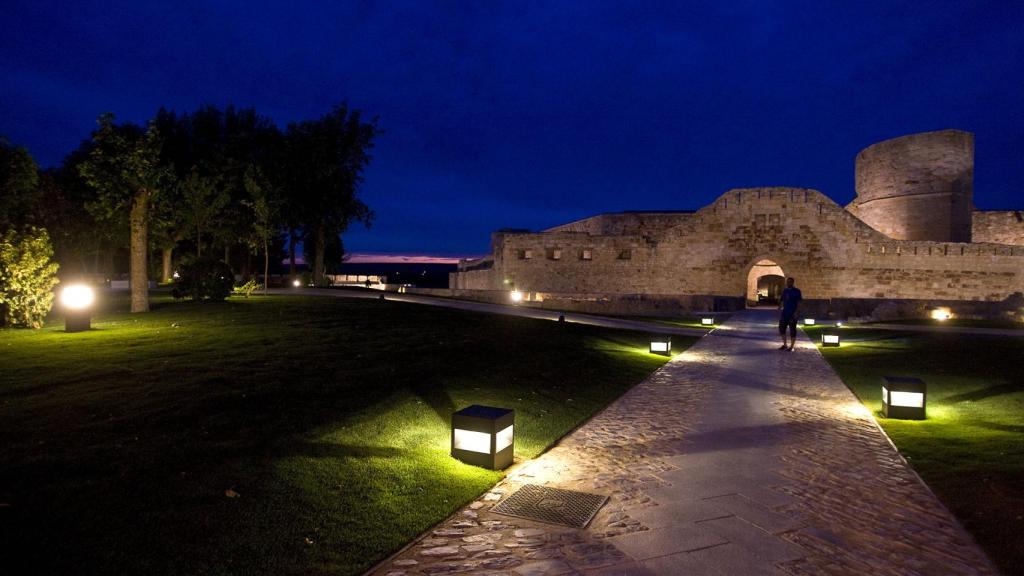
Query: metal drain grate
pixel 552 505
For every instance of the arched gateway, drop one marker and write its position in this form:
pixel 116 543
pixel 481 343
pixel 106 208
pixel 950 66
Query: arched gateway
pixel 765 282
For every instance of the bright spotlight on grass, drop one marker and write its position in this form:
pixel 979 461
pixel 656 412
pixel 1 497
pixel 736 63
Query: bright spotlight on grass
pixel 484 436
pixel 661 345
pixel 77 299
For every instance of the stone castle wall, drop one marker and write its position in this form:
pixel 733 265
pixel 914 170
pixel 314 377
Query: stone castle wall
pixel 911 237
pixel 918 187
pixel 831 253
pixel 999 227
pixel 626 223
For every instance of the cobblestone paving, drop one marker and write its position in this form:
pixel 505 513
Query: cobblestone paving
pixel 734 458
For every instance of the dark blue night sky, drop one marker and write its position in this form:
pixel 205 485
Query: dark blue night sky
pixel 527 115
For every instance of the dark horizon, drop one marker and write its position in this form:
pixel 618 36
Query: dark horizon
pixel 500 116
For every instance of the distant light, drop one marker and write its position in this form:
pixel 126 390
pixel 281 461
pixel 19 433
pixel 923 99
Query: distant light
pixel 942 314
pixel 77 297
pixel 839 324
pixel 296 283
pixel 484 436
pixel 707 321
pixel 661 345
pixel 808 321
pixel 830 339
pixel 903 397
pixel 176 275
pixel 517 296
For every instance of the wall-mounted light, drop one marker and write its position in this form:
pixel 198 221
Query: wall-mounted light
pixel 941 314
pixel 77 301
pixel 830 340
pixel 808 321
pixel 661 345
pixel 516 296
pixel 903 397
pixel 484 436
pixel 707 321
pixel 297 283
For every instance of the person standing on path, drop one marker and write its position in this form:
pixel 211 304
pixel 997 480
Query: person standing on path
pixel 789 303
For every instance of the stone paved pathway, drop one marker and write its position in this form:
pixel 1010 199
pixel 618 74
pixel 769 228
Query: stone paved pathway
pixel 734 458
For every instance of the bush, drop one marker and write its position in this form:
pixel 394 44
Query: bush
pixel 246 289
pixel 27 277
pixel 204 279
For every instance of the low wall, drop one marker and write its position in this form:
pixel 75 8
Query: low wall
pixel 892 309
pixel 608 304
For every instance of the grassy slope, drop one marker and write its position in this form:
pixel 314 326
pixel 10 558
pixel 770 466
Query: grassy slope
pixel 329 417
pixel 970 450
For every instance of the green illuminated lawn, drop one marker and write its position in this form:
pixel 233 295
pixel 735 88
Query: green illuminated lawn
pixel 328 417
pixel 971 448
pixel 959 322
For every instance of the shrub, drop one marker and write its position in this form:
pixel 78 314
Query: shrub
pixel 27 277
pixel 204 279
pixel 246 289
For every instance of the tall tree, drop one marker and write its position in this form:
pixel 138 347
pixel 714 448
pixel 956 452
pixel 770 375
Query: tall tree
pixel 265 210
pixel 127 172
pixel 202 201
pixel 326 159
pixel 19 185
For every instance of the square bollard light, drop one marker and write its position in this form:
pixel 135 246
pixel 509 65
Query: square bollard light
pixel 808 321
pixel 903 397
pixel 484 436
pixel 661 345
pixel 77 300
pixel 830 340
pixel 707 321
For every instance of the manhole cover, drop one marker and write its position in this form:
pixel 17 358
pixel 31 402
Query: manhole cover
pixel 552 505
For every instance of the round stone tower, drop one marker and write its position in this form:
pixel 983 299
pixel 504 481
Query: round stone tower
pixel 918 187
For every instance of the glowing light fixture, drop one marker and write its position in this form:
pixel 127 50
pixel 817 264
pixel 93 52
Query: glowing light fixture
pixel 830 340
pixel 297 283
pixel 661 345
pixel 707 321
pixel 839 323
pixel 941 314
pixel 808 321
pixel 516 296
pixel 77 301
pixel 903 397
pixel 484 436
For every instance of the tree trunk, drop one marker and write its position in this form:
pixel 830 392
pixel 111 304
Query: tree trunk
pixel 137 269
pixel 266 265
pixel 318 270
pixel 227 254
pixel 199 242
pixel 166 276
pixel 291 251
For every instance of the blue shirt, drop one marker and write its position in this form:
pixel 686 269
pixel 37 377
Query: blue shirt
pixel 790 298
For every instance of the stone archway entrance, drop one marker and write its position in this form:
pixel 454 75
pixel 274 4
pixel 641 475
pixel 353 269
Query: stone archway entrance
pixel 765 282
